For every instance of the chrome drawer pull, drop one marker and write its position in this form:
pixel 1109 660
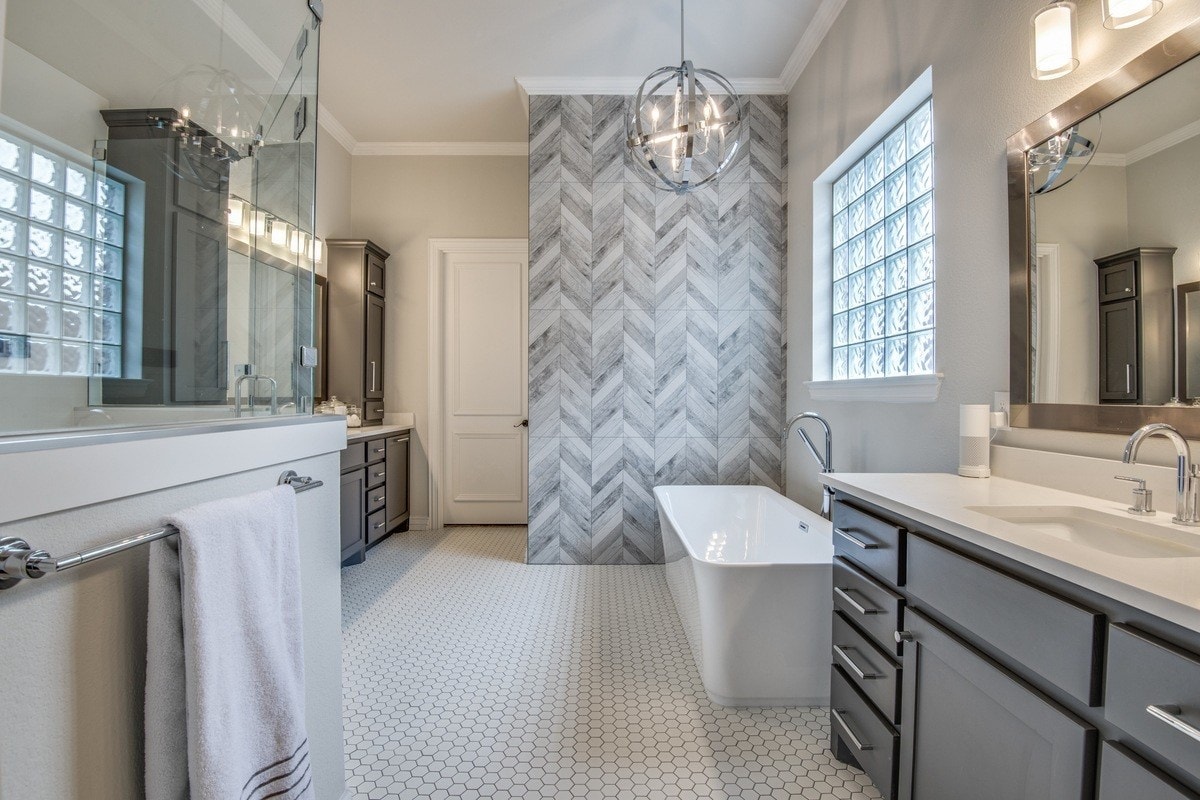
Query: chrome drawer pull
pixel 1170 715
pixel 380 474
pixel 854 540
pixel 844 656
pixel 376 499
pixel 857 606
pixel 377 526
pixel 859 744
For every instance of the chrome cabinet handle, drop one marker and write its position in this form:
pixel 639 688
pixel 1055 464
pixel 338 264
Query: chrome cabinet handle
pixel 372 376
pixel 862 674
pixel 376 499
pixel 857 606
pixel 377 526
pixel 380 474
pixel 903 636
pixel 859 744
pixel 1128 378
pixel 1170 715
pixel 854 540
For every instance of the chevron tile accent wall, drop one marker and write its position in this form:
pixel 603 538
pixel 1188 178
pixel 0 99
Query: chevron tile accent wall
pixel 656 334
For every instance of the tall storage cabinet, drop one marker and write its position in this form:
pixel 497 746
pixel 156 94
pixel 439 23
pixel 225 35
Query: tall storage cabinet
pixel 1137 326
pixel 355 348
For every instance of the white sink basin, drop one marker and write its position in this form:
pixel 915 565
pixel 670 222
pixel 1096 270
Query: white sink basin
pixel 1127 537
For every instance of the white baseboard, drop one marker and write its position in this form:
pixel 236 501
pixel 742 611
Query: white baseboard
pixel 418 523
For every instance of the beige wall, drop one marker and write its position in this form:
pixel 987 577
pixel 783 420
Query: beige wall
pixel 1164 205
pixel 982 94
pixel 401 202
pixel 333 189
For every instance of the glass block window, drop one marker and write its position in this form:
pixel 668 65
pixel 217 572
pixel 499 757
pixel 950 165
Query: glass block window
pixel 883 265
pixel 62 231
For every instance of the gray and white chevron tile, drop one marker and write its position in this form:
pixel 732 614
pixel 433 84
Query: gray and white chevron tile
pixel 608 139
pixel 670 256
pixel 608 357
pixel 576 139
pixel 608 245
pixel 575 259
pixel 641 543
pixel 670 373
pixel 701 359
pixel 545 244
pixel 575 500
pixel 638 376
pixel 733 374
pixel 545 139
pixel 545 469
pixel 545 376
pixel 639 246
pixel 608 500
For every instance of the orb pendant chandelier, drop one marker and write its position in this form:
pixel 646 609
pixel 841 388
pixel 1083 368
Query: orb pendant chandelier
pixel 685 127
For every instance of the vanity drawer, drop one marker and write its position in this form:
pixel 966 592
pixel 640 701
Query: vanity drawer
pixel 376 499
pixel 864 735
pixel 1055 638
pixel 354 456
pixel 1145 673
pixel 871 669
pixel 872 606
pixel 873 543
pixel 376 450
pixel 376 526
pixel 376 475
pixel 373 411
pixel 1124 777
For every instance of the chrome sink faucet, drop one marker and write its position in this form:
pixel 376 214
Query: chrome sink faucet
pixel 825 462
pixel 253 378
pixel 1187 473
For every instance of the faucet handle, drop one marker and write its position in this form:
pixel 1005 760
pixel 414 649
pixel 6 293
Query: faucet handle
pixel 1143 498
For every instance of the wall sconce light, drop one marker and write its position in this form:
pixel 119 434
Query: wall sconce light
pixel 298 242
pixel 279 233
pixel 237 213
pixel 259 224
pixel 318 248
pixel 1120 14
pixel 1053 42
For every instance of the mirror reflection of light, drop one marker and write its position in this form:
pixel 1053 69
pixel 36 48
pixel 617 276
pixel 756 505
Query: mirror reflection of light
pixel 715 551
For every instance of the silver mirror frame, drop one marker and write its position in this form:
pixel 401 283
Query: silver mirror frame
pixel 1119 419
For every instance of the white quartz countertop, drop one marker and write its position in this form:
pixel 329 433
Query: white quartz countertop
pixel 1165 587
pixel 372 431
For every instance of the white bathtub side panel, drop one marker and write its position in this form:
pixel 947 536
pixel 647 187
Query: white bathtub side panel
pixel 766 633
pixel 681 580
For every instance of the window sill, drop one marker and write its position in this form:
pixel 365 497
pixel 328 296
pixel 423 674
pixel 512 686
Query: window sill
pixel 908 389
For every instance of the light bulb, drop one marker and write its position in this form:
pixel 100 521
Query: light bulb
pixel 279 232
pixel 1052 43
pixel 1120 14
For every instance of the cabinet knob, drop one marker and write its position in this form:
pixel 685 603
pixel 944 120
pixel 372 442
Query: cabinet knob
pixel 904 636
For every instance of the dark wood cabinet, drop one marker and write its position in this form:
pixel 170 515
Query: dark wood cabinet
pixel 355 349
pixel 376 504
pixel 977 731
pixel 176 246
pixel 1137 326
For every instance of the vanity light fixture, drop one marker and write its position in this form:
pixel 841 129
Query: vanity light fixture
pixel 1120 14
pixel 318 250
pixel 259 224
pixel 298 242
pixel 687 137
pixel 279 233
pixel 237 213
pixel 1054 41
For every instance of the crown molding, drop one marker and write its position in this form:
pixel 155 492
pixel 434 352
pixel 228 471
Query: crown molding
pixel 531 86
pixel 814 34
pixel 1109 160
pixel 441 149
pixel 336 129
pixel 1163 142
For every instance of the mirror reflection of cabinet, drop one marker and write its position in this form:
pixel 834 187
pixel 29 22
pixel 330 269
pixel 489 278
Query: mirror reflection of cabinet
pixel 355 348
pixel 1137 326
pixel 1188 320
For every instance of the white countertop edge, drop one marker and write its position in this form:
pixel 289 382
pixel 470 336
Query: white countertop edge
pixel 372 431
pixel 1167 603
pixel 47 481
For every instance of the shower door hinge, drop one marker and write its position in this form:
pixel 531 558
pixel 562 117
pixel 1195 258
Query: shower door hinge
pixel 318 11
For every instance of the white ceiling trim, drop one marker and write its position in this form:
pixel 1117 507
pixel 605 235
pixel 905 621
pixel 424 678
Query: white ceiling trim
pixel 814 34
pixel 441 149
pixel 627 85
pixel 335 129
pixel 1109 160
pixel 1163 142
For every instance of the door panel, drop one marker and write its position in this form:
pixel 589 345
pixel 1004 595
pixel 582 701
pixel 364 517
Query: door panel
pixel 1119 352
pixel 977 731
pixel 486 386
pixel 397 480
pixel 373 376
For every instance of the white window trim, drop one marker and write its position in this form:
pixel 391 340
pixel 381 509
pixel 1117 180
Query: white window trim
pixel 898 389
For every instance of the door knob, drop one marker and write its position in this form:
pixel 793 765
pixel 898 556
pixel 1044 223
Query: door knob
pixel 522 424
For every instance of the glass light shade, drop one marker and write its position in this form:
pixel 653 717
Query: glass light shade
pixel 1127 13
pixel 298 242
pixel 318 254
pixel 259 224
pixel 237 213
pixel 1053 42
pixel 279 233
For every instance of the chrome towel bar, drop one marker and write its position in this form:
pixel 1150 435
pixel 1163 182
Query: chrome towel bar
pixel 18 560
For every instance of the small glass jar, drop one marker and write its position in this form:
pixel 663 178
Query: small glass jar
pixel 353 418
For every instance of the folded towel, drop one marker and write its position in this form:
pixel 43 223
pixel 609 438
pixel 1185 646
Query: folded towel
pixel 225 660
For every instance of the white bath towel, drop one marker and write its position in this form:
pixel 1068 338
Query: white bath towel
pixel 225 661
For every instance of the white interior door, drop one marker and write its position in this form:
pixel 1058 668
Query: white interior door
pixel 486 387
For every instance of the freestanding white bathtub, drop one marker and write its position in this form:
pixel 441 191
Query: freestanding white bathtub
pixel 750 573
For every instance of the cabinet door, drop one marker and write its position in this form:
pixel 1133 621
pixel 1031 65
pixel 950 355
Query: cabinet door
pixel 376 274
pixel 397 480
pixel 353 512
pixel 373 369
pixel 1119 352
pixel 974 731
pixel 1125 777
pixel 1118 281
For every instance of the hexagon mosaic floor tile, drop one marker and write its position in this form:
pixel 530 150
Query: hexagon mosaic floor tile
pixel 469 674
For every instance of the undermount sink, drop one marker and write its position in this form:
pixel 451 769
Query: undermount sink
pixel 1109 533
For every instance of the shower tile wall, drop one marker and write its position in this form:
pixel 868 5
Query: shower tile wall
pixel 656 344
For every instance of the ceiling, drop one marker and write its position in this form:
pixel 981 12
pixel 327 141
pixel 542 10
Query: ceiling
pixel 447 70
pixel 1160 112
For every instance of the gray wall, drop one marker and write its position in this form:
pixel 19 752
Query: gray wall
pixel 656 329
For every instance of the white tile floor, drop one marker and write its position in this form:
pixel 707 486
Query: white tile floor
pixel 469 674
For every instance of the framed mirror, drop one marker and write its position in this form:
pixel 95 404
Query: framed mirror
pixel 1104 198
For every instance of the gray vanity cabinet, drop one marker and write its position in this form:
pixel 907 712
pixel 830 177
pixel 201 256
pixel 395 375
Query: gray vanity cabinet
pixel 1123 776
pixel 374 493
pixel 353 516
pixel 397 480
pixel 976 731
pixel 355 342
